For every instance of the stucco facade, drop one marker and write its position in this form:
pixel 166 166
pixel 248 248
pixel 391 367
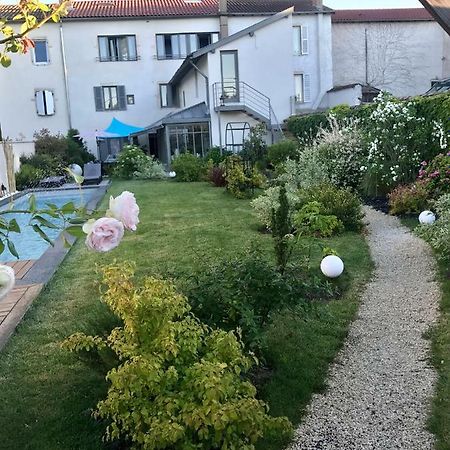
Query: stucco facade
pixel 401 57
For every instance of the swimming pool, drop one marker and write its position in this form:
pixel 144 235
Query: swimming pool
pixel 28 244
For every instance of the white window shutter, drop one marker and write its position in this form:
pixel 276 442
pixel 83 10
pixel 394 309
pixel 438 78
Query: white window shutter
pixel 45 105
pixel 306 88
pixel 103 48
pixel 296 35
pixel 305 40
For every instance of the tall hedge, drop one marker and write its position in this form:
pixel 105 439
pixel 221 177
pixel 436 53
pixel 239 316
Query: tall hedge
pixel 305 127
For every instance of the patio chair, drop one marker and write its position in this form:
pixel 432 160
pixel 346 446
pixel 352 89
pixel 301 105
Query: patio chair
pixel 92 173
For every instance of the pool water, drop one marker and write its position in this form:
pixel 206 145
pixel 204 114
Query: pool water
pixel 28 243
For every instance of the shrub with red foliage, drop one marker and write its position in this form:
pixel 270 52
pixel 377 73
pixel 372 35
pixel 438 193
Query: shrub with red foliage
pixel 216 175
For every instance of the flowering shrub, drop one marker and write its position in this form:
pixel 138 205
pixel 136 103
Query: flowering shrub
pixel 343 152
pixel 408 199
pixel 132 162
pixel 189 167
pixel 438 234
pixel 436 175
pixel 179 384
pixel 397 139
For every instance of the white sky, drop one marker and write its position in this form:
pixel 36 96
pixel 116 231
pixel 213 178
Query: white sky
pixel 341 4
pixel 368 4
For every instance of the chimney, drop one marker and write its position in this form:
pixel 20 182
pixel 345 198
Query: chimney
pixel 223 18
pixel 317 3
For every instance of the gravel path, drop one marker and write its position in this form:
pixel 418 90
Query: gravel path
pixel 380 386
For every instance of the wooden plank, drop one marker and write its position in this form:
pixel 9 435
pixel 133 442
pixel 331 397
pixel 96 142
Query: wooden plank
pixel 19 266
pixel 24 270
pixel 440 10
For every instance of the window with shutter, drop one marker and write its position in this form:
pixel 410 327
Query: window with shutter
pixel 304 40
pixel 306 88
pixel 45 105
pixel 299 87
pixel 98 96
pixel 296 34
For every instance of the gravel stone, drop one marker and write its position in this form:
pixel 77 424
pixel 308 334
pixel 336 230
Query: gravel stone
pixel 381 384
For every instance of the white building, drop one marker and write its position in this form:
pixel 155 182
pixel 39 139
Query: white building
pixel 115 59
pixel 399 50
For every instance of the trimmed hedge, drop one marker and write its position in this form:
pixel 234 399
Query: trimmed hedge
pixel 306 127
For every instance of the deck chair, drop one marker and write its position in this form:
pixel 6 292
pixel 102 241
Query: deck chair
pixel 92 173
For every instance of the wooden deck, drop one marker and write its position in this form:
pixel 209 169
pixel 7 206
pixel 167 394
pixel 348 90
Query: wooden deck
pixel 14 306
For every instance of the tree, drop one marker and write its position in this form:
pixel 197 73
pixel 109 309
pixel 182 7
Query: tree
pixel 32 14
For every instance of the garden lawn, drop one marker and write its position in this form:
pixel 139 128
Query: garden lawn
pixel 47 394
pixel 439 421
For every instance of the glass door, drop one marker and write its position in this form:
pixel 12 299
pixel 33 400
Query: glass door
pixel 230 75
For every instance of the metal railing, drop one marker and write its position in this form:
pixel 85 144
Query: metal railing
pixel 240 93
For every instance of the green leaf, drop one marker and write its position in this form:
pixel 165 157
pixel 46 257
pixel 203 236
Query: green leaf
pixel 32 203
pixel 66 243
pixel 14 226
pixel 52 206
pixel 68 208
pixel 77 221
pixel 2 247
pixel 42 234
pixel 5 60
pixel 12 249
pixel 44 222
pixel 76 231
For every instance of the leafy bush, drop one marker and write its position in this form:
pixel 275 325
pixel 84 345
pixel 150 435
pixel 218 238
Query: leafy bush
pixel 132 162
pixel 216 155
pixel 179 385
pixel 408 199
pixel 241 178
pixel 216 174
pixel 188 167
pixel 255 147
pixel 342 150
pixel 77 153
pixel 281 151
pixel 242 292
pixel 438 234
pixel 436 175
pixel 342 203
pixel 267 202
pixel 28 176
pixel 310 221
pixel 48 164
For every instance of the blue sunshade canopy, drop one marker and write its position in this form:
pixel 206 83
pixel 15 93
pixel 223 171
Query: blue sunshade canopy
pixel 120 129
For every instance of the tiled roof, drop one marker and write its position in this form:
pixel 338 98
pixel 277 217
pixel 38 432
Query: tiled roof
pixel 88 9
pixel 381 15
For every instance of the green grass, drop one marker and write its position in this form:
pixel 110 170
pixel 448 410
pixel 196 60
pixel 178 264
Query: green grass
pixel 47 394
pixel 439 420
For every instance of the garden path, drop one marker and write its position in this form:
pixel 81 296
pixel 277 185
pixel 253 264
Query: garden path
pixel 380 386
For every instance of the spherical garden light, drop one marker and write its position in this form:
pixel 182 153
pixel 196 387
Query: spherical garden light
pixel 427 218
pixel 76 169
pixel 332 266
pixel 7 280
pixel 172 174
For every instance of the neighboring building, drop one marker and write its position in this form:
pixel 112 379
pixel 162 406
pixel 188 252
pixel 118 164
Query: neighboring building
pixel 402 51
pixel 115 59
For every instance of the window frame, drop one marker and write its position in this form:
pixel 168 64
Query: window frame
pixel 305 78
pixel 116 37
pixel 300 39
pixel 163 39
pixel 41 63
pixel 44 100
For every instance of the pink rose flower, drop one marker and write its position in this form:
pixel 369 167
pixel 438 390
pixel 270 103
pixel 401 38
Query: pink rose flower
pixel 104 234
pixel 125 209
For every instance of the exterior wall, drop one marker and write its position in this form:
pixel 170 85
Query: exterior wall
pixel 318 62
pixel 140 78
pixel 18 83
pixel 403 57
pixel 350 96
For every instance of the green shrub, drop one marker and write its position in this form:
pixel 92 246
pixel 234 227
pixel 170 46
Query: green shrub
pixel 132 162
pixel 48 164
pixel 305 128
pixel 281 151
pixel 438 234
pixel 28 177
pixel 310 221
pixel 241 178
pixel 216 155
pixel 436 175
pixel 189 167
pixel 255 147
pixel 408 199
pixel 77 153
pixel 243 292
pixel 342 203
pixel 179 385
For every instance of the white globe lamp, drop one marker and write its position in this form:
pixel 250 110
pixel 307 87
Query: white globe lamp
pixel 7 280
pixel 76 169
pixel 332 266
pixel 427 217
pixel 172 174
